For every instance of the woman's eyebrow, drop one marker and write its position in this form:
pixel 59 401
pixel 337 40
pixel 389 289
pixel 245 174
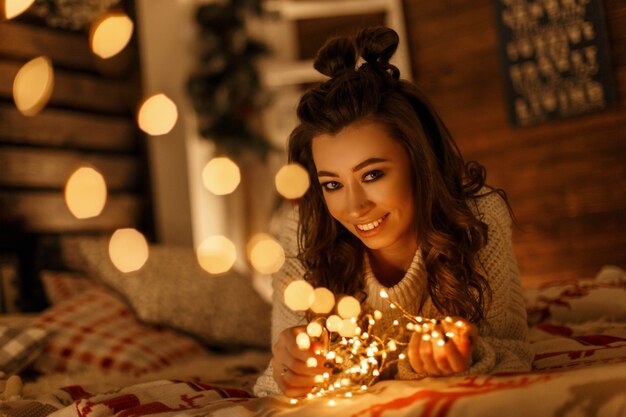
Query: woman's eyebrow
pixel 367 162
pixel 356 168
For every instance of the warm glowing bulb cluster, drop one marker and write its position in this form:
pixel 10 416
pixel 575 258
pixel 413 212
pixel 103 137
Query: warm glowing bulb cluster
pixel 357 350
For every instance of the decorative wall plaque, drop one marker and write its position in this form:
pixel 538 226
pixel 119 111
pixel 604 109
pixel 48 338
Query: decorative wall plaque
pixel 555 58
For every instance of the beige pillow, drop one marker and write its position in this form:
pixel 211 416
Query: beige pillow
pixel 172 289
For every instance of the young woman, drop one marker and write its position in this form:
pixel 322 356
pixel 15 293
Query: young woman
pixel 394 206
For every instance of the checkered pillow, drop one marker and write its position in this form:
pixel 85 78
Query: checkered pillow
pixel 96 330
pixel 61 285
pixel 18 348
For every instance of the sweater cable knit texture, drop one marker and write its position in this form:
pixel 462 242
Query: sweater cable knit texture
pixel 502 345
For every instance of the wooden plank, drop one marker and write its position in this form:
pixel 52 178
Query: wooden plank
pixel 64 48
pixel 312 33
pixel 39 168
pixel 80 91
pixel 585 243
pixel 46 212
pixel 62 128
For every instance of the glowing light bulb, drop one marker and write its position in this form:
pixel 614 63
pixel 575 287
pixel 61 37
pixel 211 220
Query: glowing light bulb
pixel 348 328
pixel 292 181
pixel 348 307
pixel 318 379
pixel 221 176
pixel 334 323
pixel 303 341
pixel 314 329
pixel 216 254
pixel 128 250
pixel 14 8
pixel 299 295
pixel 267 256
pixel 157 115
pixel 33 85
pixel 85 193
pixel 378 314
pixel 384 294
pixel 311 362
pixel 110 34
pixel 324 301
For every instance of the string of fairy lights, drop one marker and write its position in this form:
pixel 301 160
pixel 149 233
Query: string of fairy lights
pixel 357 351
pixel 86 188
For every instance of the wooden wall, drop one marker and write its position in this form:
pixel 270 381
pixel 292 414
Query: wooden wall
pixel 566 179
pixel 89 120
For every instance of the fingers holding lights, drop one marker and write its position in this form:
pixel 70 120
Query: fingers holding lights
pixel 360 351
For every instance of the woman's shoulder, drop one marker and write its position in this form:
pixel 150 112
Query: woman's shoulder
pixel 488 205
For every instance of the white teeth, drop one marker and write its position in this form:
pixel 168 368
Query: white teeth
pixel 370 226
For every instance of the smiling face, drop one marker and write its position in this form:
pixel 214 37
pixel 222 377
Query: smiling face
pixel 366 179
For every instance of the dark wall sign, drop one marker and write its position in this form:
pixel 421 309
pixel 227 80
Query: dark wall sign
pixel 555 58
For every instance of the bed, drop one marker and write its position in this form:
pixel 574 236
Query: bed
pixel 113 344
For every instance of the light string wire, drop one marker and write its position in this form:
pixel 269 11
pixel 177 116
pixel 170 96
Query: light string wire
pixel 356 357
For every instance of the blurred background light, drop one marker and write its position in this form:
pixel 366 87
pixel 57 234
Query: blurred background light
pixel 157 115
pixel 110 34
pixel 292 181
pixel 85 193
pixel 221 176
pixel 216 254
pixel 128 250
pixel 33 85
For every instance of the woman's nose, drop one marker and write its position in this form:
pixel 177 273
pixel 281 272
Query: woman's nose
pixel 358 203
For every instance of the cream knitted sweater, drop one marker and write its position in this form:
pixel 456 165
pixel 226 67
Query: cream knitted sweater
pixel 502 345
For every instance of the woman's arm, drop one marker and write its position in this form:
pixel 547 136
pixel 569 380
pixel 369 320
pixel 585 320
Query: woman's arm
pixel 501 344
pixel 282 316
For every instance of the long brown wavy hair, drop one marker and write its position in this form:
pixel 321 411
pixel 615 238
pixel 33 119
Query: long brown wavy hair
pixel 448 232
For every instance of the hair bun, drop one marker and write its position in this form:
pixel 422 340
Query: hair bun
pixel 377 44
pixel 337 54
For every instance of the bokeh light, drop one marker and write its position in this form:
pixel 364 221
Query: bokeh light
pixel 110 34
pixel 221 176
pixel 85 193
pixel 348 328
pixel 324 301
pixel 299 295
pixel 303 341
pixel 14 8
pixel 349 307
pixel 216 254
pixel 292 181
pixel 157 115
pixel 267 255
pixel 334 323
pixel 314 329
pixel 128 250
pixel 33 85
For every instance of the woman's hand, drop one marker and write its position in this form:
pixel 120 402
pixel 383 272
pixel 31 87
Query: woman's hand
pixel 426 355
pixel 292 373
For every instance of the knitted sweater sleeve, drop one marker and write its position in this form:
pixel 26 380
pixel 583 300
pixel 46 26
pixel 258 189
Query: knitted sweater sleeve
pixel 282 316
pixel 502 345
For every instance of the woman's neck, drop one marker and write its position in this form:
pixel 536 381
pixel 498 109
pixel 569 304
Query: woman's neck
pixel 390 267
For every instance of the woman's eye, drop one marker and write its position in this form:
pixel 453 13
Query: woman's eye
pixel 331 185
pixel 372 175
